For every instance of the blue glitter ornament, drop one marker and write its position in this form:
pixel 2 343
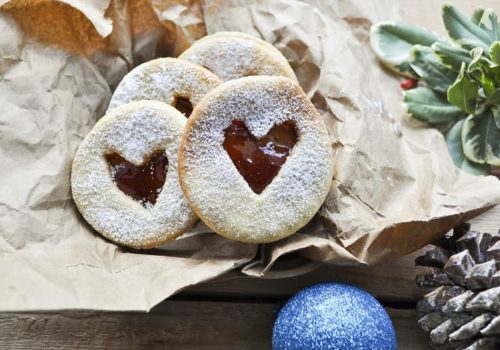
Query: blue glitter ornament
pixel 333 316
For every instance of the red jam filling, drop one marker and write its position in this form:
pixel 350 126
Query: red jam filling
pixel 259 160
pixel 183 105
pixel 144 182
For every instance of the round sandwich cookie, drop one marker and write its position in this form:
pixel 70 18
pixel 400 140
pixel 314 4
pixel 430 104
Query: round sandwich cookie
pixel 233 55
pixel 256 161
pixel 178 83
pixel 124 177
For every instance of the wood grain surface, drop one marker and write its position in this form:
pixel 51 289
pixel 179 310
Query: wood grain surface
pixel 392 281
pixel 172 325
pixel 487 222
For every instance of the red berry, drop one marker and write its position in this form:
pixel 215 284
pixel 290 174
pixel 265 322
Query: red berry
pixel 408 84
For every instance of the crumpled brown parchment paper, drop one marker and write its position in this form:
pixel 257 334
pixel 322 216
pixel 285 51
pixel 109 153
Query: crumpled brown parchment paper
pixel 60 60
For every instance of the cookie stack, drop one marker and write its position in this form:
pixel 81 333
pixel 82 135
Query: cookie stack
pixel 223 133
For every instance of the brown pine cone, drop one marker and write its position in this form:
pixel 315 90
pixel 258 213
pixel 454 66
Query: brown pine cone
pixel 463 312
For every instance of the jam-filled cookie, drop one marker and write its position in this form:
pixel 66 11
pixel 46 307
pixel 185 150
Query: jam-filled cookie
pixel 124 176
pixel 176 82
pixel 256 161
pixel 232 55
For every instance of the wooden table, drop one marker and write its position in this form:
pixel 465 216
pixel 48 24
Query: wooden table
pixel 232 312
pixel 236 312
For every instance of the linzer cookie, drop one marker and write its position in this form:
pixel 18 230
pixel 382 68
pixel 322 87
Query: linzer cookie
pixel 124 177
pixel 232 55
pixel 176 82
pixel 256 162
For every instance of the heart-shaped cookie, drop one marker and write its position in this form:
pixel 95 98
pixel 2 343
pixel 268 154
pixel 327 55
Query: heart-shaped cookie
pixel 144 182
pixel 233 55
pixel 256 161
pixel 176 82
pixel 259 160
pixel 119 178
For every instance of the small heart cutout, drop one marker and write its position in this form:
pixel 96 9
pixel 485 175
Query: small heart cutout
pixel 144 182
pixel 259 160
pixel 183 105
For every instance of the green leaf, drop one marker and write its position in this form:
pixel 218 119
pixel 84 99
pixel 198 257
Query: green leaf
pixel 494 99
pixel 480 69
pixel 450 56
pixel 481 139
pixel 477 15
pixel 495 52
pixel 476 65
pixel 428 106
pixel 464 92
pixel 454 141
pixel 392 41
pixel 463 31
pixel 494 74
pixel 476 54
pixel 489 23
pixel 496 115
pixel 432 72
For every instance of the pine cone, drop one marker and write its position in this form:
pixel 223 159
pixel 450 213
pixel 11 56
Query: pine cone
pixel 463 312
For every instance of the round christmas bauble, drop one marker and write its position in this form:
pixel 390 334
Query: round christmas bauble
pixel 333 316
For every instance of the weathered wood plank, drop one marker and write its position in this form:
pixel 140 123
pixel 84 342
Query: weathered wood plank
pixel 487 222
pixel 408 333
pixel 173 324
pixel 390 281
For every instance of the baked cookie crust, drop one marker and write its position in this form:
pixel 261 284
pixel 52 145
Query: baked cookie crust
pixel 217 192
pixel 233 55
pixel 134 131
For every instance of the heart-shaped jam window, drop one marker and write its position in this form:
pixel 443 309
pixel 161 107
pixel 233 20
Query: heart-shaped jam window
pixel 183 105
pixel 144 182
pixel 259 160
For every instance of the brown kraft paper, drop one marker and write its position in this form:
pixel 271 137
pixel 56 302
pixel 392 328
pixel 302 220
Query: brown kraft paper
pixel 395 187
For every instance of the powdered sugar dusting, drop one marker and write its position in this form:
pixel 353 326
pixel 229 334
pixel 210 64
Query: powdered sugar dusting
pixel 134 131
pixel 232 55
pixel 163 80
pixel 216 190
